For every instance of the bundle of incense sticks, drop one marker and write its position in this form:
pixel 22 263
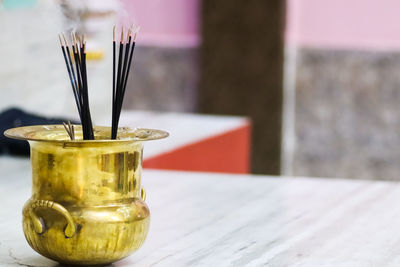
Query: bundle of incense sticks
pixel 120 78
pixel 76 67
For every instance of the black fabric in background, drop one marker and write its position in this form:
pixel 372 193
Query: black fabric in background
pixel 15 117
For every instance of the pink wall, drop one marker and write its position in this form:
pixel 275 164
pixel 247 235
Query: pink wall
pixel 342 24
pixel 360 24
pixel 164 22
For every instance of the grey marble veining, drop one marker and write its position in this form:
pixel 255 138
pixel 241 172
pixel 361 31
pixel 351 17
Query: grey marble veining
pixel 204 219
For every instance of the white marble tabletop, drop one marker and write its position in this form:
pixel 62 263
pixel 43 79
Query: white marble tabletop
pixel 202 219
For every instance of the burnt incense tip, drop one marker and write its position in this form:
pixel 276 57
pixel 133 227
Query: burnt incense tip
pixel 136 33
pixel 59 37
pixel 122 35
pixel 81 40
pixel 74 39
pixel 131 30
pixel 65 39
pixel 114 33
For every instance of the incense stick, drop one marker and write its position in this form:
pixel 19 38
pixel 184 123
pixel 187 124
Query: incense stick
pixel 124 61
pixel 114 86
pixel 77 72
pixel 127 74
pixel 114 126
pixel 79 81
pixel 75 86
pixel 69 128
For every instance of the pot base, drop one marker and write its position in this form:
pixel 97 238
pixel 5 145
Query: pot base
pixel 104 234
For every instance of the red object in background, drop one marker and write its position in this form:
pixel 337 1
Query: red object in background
pixel 227 152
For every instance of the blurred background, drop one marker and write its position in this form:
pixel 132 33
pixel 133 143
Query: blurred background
pixel 318 80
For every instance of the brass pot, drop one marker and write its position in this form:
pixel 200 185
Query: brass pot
pixel 87 204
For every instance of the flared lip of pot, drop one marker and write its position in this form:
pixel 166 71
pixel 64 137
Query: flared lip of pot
pixel 56 133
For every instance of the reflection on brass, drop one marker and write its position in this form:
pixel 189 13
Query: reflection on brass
pixel 131 158
pixel 87 205
pixel 137 159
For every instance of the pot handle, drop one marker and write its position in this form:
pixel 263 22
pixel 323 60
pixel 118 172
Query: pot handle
pixel 38 223
pixel 143 194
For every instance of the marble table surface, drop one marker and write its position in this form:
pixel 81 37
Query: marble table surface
pixel 203 219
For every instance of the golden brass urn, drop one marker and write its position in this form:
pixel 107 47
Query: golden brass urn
pixel 87 204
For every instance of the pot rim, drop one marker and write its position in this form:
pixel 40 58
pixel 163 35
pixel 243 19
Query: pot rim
pixel 55 133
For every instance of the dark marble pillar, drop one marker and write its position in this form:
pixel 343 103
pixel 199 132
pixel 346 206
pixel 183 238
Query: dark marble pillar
pixel 242 70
